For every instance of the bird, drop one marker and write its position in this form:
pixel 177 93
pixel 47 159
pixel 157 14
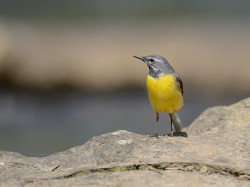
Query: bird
pixel 165 90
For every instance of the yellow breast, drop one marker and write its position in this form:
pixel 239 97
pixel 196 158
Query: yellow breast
pixel 164 94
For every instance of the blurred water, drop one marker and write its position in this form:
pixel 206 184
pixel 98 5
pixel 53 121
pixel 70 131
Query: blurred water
pixel 38 124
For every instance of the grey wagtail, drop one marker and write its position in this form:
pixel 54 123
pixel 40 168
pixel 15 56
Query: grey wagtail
pixel 165 89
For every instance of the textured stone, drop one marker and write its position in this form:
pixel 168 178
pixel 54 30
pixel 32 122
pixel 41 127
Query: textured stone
pixel 216 153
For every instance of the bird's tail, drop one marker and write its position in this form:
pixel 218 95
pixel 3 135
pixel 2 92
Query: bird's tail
pixel 176 122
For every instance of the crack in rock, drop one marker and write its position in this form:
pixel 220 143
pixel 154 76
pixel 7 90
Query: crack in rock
pixel 204 169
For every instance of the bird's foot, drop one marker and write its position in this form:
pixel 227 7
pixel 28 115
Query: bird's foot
pixel 182 134
pixel 155 135
pixel 171 134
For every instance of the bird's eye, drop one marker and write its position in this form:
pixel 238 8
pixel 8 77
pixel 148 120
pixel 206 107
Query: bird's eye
pixel 151 60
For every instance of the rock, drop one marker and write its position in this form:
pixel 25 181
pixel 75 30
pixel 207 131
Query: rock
pixel 216 153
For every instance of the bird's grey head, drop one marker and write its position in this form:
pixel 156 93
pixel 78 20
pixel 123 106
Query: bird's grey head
pixel 157 65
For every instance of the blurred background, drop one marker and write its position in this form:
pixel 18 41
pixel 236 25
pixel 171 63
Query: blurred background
pixel 67 72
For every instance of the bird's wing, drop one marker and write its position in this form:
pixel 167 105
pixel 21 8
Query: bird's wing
pixel 179 81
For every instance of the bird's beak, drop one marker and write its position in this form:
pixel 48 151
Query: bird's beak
pixel 143 59
pixel 139 57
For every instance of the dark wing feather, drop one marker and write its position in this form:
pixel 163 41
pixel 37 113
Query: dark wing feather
pixel 179 81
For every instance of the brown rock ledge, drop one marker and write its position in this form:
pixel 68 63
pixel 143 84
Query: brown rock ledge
pixel 216 153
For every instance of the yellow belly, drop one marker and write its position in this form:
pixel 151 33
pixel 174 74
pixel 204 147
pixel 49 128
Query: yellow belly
pixel 164 95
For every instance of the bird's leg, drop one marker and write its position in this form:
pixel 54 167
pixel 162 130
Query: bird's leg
pixel 157 119
pixel 171 123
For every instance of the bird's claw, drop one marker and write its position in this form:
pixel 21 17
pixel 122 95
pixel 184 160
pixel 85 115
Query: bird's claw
pixel 155 135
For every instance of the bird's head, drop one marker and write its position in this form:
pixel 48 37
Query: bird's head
pixel 157 65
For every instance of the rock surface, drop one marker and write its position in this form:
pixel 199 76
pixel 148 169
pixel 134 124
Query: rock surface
pixel 216 153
